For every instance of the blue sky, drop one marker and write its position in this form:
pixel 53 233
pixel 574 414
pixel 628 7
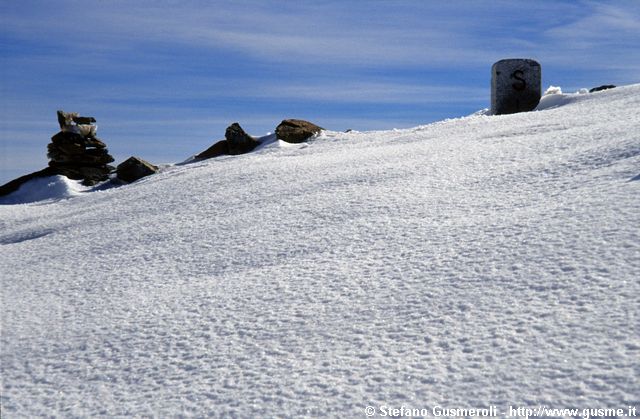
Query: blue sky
pixel 165 78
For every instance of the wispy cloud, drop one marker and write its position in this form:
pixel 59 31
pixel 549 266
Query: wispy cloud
pixel 380 93
pixel 388 33
pixel 394 34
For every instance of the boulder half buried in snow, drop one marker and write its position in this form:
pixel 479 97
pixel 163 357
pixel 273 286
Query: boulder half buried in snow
pixel 603 87
pixel 134 168
pixel 296 130
pixel 238 141
pixel 15 184
pixel 516 86
pixel 220 148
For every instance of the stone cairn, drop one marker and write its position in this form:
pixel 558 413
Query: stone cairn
pixel 76 152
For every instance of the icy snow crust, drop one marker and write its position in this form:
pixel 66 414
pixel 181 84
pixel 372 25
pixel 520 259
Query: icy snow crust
pixel 479 261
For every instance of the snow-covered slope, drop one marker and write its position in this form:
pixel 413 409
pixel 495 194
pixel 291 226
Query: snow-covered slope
pixel 488 260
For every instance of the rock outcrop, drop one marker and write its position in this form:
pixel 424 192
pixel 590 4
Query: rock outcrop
pixel 134 168
pixel 76 152
pixel 218 149
pixel 296 130
pixel 15 184
pixel 603 87
pixel 238 141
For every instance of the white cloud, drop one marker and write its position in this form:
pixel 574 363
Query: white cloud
pixel 606 38
pixel 344 34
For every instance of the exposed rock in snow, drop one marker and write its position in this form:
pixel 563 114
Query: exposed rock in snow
pixel 603 87
pixel 220 148
pixel 54 188
pixel 238 141
pixel 296 130
pixel 134 168
pixel 12 186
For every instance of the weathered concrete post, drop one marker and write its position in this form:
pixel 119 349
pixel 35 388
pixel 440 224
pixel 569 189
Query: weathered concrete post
pixel 516 86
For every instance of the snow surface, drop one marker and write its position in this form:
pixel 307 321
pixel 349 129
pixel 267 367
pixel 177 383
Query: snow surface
pixel 487 260
pixel 45 188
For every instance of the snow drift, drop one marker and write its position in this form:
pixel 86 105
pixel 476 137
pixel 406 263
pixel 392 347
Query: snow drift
pixel 45 188
pixel 488 260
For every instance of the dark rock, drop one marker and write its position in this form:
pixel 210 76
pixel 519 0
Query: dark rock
pixel 95 156
pixel 97 152
pixel 88 173
pixel 89 160
pixel 134 168
pixel 93 175
pixel 218 149
pixel 238 141
pixel 84 120
pixel 95 142
pixel 68 138
pixel 91 157
pixel 296 130
pixel 76 140
pixel 15 184
pixel 72 173
pixel 55 151
pixel 603 87
pixel 55 155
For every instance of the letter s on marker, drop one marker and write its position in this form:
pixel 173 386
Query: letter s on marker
pixel 520 84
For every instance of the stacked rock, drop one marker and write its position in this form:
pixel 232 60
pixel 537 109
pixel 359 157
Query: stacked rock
pixel 76 152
